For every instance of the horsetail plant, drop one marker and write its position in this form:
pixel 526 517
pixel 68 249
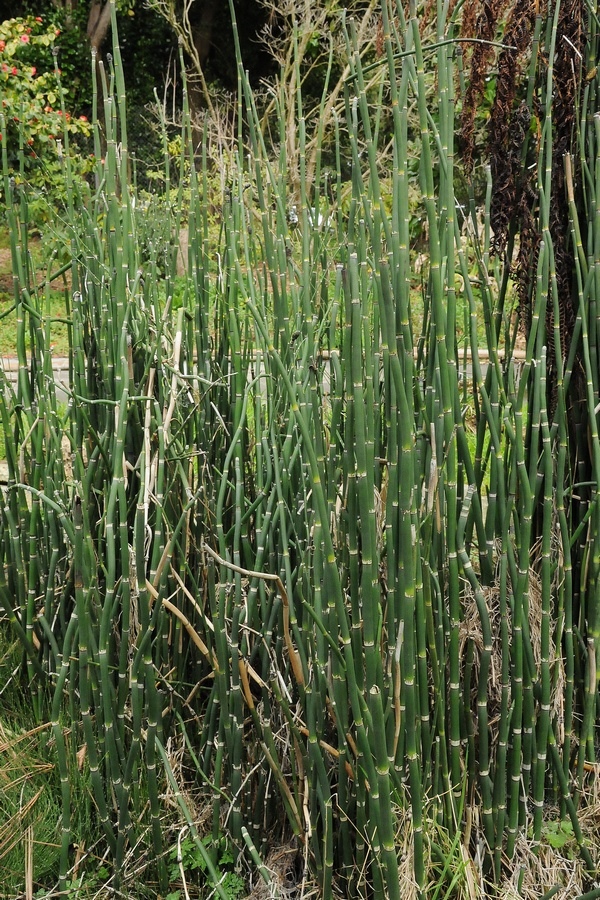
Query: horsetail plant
pixel 260 529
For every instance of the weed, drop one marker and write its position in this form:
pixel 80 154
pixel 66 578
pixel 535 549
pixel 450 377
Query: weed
pixel 188 863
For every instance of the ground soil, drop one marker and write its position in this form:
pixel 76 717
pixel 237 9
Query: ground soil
pixel 6 280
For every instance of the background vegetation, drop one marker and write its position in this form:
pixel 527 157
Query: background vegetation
pixel 300 590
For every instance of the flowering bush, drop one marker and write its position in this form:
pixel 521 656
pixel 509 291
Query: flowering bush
pixel 31 116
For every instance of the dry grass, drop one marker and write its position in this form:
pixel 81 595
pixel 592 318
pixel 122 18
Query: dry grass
pixel 536 870
pixel 470 630
pixel 281 865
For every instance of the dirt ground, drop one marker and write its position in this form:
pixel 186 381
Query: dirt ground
pixel 6 281
pixel 6 278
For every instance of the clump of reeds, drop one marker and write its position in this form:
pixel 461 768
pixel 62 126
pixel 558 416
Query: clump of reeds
pixel 275 542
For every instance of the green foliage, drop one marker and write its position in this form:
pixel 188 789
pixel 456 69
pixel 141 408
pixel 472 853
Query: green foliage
pixel 32 100
pixel 149 65
pixel 29 803
pixel 91 882
pixel 36 127
pixel 186 855
pixel 558 834
pixel 17 34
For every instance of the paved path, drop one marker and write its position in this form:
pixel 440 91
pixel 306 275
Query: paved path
pixel 60 366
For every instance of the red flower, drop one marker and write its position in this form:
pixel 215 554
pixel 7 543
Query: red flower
pixel 33 70
pixel 83 118
pixel 4 67
pixel 25 38
pixel 38 18
pixel 57 32
pixel 14 70
pixel 2 45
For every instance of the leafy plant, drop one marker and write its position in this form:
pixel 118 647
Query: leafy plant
pixel 91 882
pixel 36 126
pixel 557 834
pixel 187 856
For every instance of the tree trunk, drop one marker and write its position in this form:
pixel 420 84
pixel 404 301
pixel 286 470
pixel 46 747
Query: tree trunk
pixel 202 33
pixel 98 24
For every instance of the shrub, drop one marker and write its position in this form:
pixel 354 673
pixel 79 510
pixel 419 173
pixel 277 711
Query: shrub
pixel 34 123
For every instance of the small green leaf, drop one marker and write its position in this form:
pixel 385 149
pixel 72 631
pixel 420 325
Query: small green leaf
pixel 557 834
